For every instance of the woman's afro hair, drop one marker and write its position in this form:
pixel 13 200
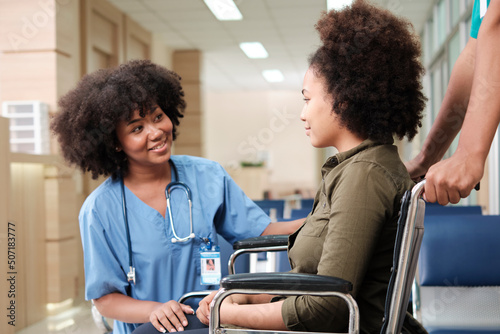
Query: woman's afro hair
pixel 370 62
pixel 85 124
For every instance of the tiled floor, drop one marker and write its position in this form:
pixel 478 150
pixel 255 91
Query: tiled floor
pixel 77 320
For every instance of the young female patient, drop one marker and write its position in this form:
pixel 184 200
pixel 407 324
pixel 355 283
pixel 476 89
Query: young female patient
pixel 361 89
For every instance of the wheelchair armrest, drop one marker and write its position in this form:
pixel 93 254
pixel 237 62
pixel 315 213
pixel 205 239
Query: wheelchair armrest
pixel 285 282
pixel 262 241
pixel 265 243
pixel 194 294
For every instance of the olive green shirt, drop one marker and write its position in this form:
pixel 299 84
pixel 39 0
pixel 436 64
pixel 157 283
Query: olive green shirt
pixel 350 234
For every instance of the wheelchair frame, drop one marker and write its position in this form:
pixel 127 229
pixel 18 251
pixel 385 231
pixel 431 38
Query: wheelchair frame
pixel 408 241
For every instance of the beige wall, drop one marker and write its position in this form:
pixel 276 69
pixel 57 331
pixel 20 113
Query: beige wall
pixel 161 54
pixel 236 125
pixel 6 298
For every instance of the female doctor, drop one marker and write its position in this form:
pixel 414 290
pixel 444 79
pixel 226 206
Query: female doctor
pixel 141 252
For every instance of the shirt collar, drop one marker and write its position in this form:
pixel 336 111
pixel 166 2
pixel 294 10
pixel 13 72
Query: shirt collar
pixel 340 157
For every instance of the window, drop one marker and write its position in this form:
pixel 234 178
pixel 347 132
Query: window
pixel 442 23
pixel 454 12
pixel 454 50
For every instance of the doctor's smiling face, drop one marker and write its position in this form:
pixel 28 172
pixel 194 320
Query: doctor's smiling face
pixel 147 141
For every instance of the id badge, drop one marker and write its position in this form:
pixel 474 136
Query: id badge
pixel 210 267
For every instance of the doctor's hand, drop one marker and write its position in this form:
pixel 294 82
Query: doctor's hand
pixel 170 317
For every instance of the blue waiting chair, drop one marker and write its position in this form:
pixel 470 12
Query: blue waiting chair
pixel 272 204
pixel 226 250
pixel 433 209
pixel 457 289
pixel 307 203
pixel 299 213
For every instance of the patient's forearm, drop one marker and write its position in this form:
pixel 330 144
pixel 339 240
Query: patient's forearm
pixel 256 316
pixel 252 299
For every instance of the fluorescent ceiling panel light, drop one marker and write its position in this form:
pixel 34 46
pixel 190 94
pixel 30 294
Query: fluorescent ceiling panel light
pixel 273 75
pixel 337 4
pixel 224 10
pixel 254 50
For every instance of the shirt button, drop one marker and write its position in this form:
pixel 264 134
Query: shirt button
pixel 324 204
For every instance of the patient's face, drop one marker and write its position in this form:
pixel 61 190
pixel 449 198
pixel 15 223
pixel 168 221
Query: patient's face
pixel 321 124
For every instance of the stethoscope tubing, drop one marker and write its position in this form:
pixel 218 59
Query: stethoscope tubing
pixel 131 273
pixel 170 187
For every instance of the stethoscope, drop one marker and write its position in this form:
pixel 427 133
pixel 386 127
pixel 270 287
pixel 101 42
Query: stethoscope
pixel 168 190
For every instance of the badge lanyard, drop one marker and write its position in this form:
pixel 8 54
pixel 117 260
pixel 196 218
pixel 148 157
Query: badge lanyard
pixel 210 263
pixel 209 253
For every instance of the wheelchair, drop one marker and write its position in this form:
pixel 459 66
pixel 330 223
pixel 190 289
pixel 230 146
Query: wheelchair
pixel 396 320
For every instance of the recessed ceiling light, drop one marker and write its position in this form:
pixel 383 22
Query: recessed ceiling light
pixel 224 10
pixel 254 50
pixel 273 75
pixel 337 4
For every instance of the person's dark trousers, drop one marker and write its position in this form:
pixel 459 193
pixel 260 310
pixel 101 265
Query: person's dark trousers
pixel 193 323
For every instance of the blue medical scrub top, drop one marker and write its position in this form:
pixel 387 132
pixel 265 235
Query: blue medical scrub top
pixel 164 270
pixel 477 19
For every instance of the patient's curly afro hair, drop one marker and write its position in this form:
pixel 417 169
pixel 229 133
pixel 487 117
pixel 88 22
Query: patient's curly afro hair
pixel 369 60
pixel 88 115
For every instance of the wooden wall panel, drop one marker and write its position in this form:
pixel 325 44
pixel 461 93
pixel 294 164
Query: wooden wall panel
pixel 137 40
pixel 28 213
pixel 34 220
pixel 28 76
pixel 62 234
pixel 194 150
pixel 42 206
pixel 253 180
pixel 62 270
pixel 5 300
pixel 192 92
pixel 27 25
pixel 187 64
pixel 103 40
pixel 66 74
pixel 99 59
pixel 68 27
pixel 61 205
pixel 136 49
pixel 189 133
pixel 103 33
pixel 15 217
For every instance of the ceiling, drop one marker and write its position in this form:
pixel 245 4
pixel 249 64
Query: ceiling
pixel 284 27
